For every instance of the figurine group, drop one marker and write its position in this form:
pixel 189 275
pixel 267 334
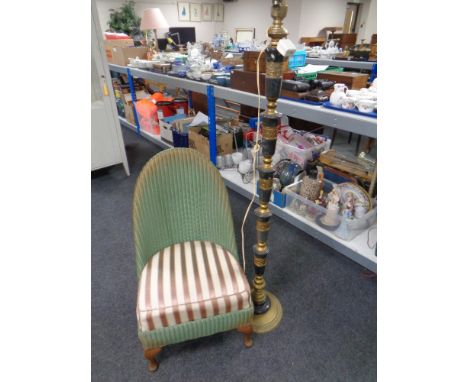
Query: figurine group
pixel 338 202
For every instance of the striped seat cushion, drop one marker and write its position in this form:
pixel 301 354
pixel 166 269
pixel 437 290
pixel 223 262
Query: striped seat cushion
pixel 190 281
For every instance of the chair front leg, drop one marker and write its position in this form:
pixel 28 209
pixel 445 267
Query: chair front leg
pixel 247 331
pixel 150 355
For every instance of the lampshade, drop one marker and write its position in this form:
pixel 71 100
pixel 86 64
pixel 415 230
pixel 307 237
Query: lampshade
pixel 153 19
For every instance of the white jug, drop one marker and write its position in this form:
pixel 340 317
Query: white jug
pixel 338 95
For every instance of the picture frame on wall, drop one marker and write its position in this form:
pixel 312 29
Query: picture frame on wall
pixel 207 12
pixel 218 12
pixel 183 9
pixel 195 12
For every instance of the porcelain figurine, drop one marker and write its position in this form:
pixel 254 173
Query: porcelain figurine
pixel 348 207
pixel 331 218
pixel 338 95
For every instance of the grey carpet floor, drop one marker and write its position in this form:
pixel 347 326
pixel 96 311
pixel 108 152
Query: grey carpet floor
pixel 328 332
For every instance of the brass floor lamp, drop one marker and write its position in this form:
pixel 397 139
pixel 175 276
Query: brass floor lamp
pixel 267 308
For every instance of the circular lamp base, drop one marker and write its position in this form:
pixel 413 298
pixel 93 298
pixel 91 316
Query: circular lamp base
pixel 266 322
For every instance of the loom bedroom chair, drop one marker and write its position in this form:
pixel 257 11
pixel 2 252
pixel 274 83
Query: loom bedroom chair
pixel 190 283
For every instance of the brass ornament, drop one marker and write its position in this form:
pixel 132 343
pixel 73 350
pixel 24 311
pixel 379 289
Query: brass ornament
pixel 270 132
pixel 274 69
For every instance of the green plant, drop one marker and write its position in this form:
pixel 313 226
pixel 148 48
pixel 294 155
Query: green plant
pixel 124 19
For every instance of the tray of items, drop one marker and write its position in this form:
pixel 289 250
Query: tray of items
pixel 361 102
pixel 354 110
pixel 344 209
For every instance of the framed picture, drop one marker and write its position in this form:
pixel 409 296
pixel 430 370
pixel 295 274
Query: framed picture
pixel 218 12
pixel 195 12
pixel 207 12
pixel 245 34
pixel 184 11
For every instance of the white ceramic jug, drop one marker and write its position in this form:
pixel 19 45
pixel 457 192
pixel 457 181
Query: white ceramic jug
pixel 338 95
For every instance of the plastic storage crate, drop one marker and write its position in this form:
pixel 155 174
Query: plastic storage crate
pixel 286 151
pixel 346 229
pixel 297 59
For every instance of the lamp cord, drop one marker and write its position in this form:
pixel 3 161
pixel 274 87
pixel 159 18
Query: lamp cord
pixel 255 150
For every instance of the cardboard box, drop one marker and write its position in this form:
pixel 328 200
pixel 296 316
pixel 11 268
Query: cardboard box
pixel 167 126
pixel 125 42
pixel 119 55
pixel 109 44
pixel 129 116
pixel 128 104
pixel 139 94
pixel 201 144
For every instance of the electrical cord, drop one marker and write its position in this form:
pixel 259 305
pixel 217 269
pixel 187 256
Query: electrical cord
pixel 255 150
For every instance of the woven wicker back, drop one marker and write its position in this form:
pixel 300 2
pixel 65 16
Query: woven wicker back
pixel 180 196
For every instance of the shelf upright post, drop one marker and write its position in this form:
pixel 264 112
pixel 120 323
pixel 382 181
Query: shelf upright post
pixel 132 92
pixel 373 74
pixel 212 122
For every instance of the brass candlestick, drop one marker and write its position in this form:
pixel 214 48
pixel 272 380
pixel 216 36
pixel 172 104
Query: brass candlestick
pixel 267 308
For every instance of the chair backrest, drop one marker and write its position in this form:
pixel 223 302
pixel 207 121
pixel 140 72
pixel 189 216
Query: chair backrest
pixel 180 196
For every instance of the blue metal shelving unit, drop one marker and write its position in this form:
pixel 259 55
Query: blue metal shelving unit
pixel 344 121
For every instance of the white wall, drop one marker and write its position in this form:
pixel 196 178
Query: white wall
pixel 256 14
pixel 368 23
pixel 305 17
pixel 318 14
pixel 204 30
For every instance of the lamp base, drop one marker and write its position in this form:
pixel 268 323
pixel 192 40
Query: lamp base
pixel 266 322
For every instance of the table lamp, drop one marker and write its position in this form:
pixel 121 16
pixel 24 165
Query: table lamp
pixel 153 19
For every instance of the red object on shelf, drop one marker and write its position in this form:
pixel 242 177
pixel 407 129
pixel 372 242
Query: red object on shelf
pixel 146 108
pixel 157 96
pixel 165 109
pixel 116 36
pixel 180 105
pixel 150 125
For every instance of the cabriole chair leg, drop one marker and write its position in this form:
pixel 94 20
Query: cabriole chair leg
pixel 247 331
pixel 150 355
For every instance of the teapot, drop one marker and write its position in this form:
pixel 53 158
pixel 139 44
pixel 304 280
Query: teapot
pixel 338 95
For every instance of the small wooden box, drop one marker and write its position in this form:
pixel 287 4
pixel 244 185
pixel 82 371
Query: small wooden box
pixel 350 79
pixel 250 62
pixel 247 81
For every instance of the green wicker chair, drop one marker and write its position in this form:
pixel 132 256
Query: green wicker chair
pixel 190 282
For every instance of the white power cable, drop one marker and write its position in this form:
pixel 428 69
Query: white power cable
pixel 255 150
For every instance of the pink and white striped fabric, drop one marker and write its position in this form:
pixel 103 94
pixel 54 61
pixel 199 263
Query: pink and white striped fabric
pixel 190 281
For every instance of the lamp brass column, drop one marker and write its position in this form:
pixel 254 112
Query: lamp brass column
pixel 267 308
